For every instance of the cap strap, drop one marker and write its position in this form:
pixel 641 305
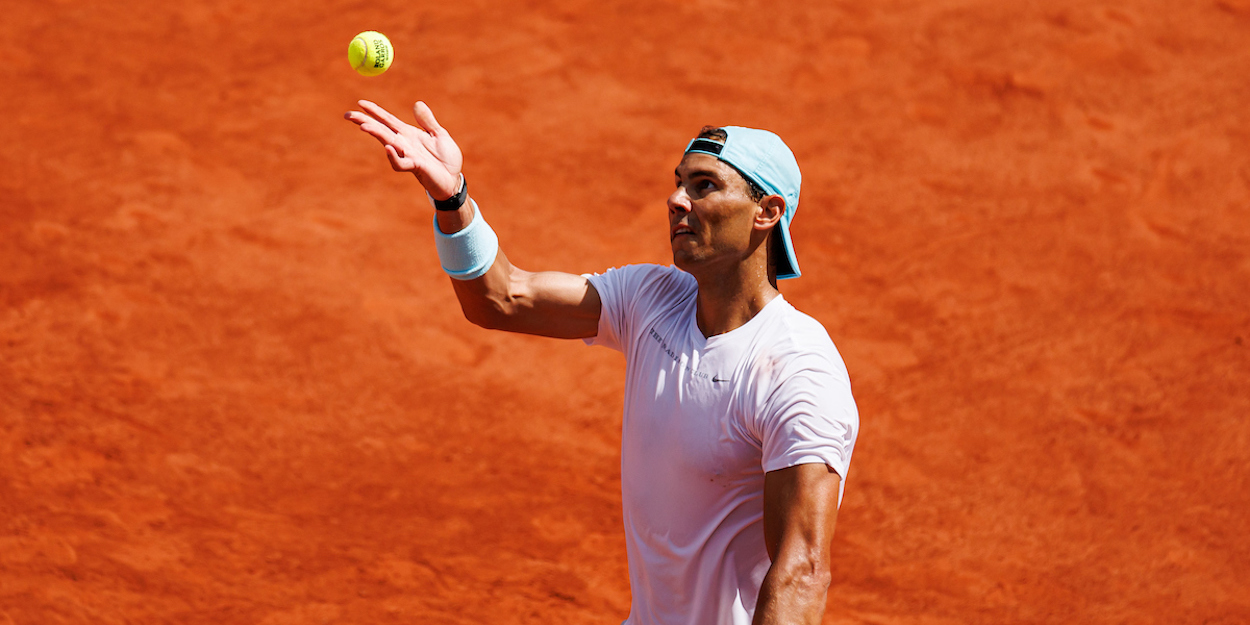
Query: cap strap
pixel 705 145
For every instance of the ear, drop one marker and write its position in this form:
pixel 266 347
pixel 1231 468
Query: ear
pixel 769 212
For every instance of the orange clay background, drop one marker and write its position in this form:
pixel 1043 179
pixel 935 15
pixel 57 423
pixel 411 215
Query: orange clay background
pixel 235 387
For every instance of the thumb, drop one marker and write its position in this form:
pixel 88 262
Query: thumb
pixel 425 117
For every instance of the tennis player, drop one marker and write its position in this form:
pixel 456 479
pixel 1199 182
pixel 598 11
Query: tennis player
pixel 739 422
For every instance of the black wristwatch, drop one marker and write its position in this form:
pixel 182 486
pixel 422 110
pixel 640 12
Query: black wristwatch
pixel 454 202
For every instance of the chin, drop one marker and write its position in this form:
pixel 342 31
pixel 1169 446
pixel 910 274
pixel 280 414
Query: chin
pixel 680 259
pixel 684 262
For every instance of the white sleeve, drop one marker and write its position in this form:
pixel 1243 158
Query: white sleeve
pixel 621 290
pixel 810 417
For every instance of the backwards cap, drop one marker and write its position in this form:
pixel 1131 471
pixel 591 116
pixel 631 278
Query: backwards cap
pixel 763 158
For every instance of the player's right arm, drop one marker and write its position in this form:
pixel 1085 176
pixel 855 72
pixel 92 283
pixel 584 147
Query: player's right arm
pixel 505 297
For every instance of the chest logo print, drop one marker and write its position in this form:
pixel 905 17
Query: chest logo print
pixel 681 359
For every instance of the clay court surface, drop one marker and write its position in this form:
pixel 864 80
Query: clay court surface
pixel 235 387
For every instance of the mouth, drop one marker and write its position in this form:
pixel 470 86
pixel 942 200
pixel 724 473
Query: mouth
pixel 680 231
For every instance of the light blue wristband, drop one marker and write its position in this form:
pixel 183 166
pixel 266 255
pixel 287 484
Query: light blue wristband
pixel 467 254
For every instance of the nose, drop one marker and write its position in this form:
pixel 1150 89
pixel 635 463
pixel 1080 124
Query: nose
pixel 679 200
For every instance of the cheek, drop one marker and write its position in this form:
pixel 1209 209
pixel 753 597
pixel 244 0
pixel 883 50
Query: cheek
pixel 732 229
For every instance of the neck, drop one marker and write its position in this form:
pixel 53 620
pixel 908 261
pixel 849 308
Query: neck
pixel 730 298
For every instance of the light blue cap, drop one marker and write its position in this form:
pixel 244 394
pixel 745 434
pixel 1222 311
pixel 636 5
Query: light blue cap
pixel 763 158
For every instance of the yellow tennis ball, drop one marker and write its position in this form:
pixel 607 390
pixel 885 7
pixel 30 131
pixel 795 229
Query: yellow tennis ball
pixel 370 53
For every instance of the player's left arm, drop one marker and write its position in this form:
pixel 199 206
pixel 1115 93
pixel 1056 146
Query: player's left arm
pixel 800 514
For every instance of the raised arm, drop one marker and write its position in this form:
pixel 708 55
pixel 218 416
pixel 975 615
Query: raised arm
pixel 504 297
pixel 800 514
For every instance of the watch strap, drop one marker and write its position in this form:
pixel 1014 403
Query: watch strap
pixel 454 202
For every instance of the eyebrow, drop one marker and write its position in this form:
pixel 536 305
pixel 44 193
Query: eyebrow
pixel 699 172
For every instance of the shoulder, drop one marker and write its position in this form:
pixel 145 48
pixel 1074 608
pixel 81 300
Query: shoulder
pixel 647 278
pixel 799 374
pixel 645 272
pixel 796 342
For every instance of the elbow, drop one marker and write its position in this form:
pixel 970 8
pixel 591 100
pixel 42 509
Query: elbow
pixel 808 576
pixel 487 315
pixel 493 304
pixel 492 311
pixel 816 581
pixel 821 580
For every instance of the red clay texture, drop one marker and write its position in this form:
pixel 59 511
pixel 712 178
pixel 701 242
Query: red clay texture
pixel 235 387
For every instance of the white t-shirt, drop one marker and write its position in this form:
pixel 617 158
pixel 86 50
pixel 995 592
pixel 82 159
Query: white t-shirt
pixel 705 418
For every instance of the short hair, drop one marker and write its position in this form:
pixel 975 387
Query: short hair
pixel 717 133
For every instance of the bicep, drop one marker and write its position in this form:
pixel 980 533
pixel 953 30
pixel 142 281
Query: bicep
pixel 546 303
pixel 800 512
pixel 556 304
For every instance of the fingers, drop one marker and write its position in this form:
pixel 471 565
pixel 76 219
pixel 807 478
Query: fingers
pixel 422 151
pixel 378 131
pixel 397 143
pixel 356 117
pixel 373 126
pixel 370 124
pixel 398 162
pixel 383 115
pixel 425 118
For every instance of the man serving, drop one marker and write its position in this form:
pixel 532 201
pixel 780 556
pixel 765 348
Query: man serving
pixel 739 422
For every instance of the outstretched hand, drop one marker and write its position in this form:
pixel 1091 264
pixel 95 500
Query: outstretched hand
pixel 426 150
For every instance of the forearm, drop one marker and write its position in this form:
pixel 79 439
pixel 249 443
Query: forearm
pixel 486 300
pixel 792 595
pixel 450 222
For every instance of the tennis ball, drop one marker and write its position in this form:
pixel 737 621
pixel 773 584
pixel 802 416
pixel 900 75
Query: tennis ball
pixel 370 53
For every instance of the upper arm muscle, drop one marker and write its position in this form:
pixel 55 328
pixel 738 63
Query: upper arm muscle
pixel 560 305
pixel 800 511
pixel 548 303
